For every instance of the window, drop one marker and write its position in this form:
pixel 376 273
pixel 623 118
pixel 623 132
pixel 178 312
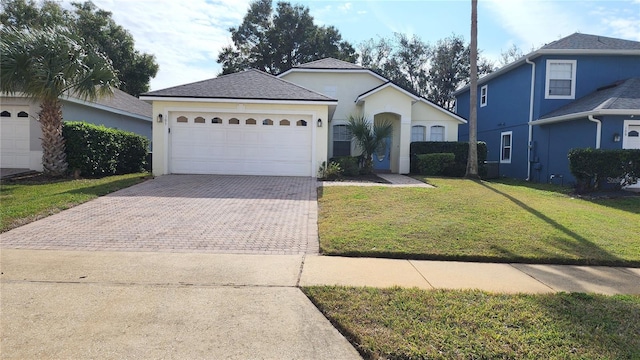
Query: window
pixel 437 133
pixel 301 123
pixel 267 122
pixel 234 121
pixel 216 120
pixel 561 79
pixel 341 140
pixel 483 96
pixel 182 119
pixel 418 133
pixel 23 114
pixel 633 133
pixel 5 114
pixel 284 122
pixel 250 121
pixel 505 146
pixel 199 120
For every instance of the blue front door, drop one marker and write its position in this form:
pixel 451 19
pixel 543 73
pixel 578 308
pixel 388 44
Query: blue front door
pixel 381 156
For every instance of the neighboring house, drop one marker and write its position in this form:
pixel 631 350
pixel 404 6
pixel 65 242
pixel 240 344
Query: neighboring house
pixel 252 123
pixel 577 92
pixel 20 133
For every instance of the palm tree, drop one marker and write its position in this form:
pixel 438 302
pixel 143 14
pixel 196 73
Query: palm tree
pixel 368 138
pixel 472 162
pixel 45 65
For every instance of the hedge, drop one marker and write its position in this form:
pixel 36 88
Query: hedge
pixel 459 149
pixel 349 165
pixel 593 168
pixel 98 151
pixel 435 164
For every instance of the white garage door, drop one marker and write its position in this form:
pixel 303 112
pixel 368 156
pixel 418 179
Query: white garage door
pixel 207 143
pixel 14 137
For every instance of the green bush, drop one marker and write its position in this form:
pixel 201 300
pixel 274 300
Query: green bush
pixel 330 171
pixel 349 165
pixel 593 168
pixel 98 151
pixel 459 149
pixel 435 164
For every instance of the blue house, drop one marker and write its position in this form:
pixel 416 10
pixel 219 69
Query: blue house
pixel 582 91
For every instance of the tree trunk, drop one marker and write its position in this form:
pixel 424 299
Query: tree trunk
pixel 472 162
pixel 54 159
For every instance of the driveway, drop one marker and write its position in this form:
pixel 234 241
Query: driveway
pixel 186 213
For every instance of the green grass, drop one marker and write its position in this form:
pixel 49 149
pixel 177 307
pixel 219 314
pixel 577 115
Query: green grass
pixel 439 324
pixel 461 219
pixel 24 201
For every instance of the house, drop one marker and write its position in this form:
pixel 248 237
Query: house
pixel 577 92
pixel 253 123
pixel 20 131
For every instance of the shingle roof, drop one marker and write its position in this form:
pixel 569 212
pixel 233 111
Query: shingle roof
pixel 125 102
pixel 622 95
pixel 330 63
pixel 250 84
pixel 579 41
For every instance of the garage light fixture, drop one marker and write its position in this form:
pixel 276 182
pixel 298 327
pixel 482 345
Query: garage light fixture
pixel 319 122
pixel 159 117
pixel 616 137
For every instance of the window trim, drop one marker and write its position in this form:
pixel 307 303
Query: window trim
pixel 548 79
pixel 484 97
pixel 502 147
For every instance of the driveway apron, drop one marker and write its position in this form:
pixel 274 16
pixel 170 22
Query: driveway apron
pixel 186 213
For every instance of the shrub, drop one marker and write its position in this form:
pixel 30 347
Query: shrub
pixel 98 151
pixel 459 149
pixel 330 171
pixel 434 164
pixel 592 168
pixel 349 165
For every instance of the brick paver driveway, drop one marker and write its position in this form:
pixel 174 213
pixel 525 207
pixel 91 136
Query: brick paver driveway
pixel 186 213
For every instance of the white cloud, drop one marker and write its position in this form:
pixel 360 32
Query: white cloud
pixel 535 23
pixel 185 36
pixel 346 7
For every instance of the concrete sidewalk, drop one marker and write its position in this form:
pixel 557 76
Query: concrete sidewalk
pixel 100 304
pixel 503 278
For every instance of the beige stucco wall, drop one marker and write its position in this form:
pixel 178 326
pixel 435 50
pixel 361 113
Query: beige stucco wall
pixel 426 115
pixel 236 109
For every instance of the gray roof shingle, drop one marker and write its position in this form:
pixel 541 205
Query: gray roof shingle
pixel 330 63
pixel 579 41
pixel 622 95
pixel 249 84
pixel 125 102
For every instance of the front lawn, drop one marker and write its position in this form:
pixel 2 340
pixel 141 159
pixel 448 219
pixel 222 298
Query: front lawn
pixel 443 324
pixel 27 200
pixel 479 221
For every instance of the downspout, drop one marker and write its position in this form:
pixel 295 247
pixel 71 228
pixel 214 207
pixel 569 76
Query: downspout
pixel 530 144
pixel 598 130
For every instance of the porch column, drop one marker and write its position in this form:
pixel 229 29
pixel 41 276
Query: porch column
pixel 405 141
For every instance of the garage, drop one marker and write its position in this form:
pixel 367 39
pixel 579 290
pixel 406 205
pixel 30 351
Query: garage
pixel 240 144
pixel 14 137
pixel 246 123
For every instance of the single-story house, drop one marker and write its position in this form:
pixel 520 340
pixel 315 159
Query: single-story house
pixel 20 133
pixel 253 123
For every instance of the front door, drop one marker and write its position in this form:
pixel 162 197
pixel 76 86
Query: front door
pixel 382 155
pixel 631 140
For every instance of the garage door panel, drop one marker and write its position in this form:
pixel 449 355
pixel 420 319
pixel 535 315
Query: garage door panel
pixel 14 139
pixel 240 149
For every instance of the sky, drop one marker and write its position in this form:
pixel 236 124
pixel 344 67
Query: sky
pixel 186 35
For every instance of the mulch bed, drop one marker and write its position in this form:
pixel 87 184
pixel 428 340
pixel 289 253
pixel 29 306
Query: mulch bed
pixel 370 178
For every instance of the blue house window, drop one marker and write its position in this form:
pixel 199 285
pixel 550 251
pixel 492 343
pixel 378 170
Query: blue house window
pixel 561 79
pixel 505 146
pixel 483 95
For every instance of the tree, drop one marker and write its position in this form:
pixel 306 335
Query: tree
pixel 46 64
pixel 276 42
pixel 472 161
pixel 450 69
pixel 510 55
pixel 368 138
pixel 96 27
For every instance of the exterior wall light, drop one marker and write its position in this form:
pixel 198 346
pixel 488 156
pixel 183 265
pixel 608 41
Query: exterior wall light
pixel 319 122
pixel 159 118
pixel 616 137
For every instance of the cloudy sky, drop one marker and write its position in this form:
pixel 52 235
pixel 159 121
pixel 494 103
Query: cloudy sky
pixel 186 35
